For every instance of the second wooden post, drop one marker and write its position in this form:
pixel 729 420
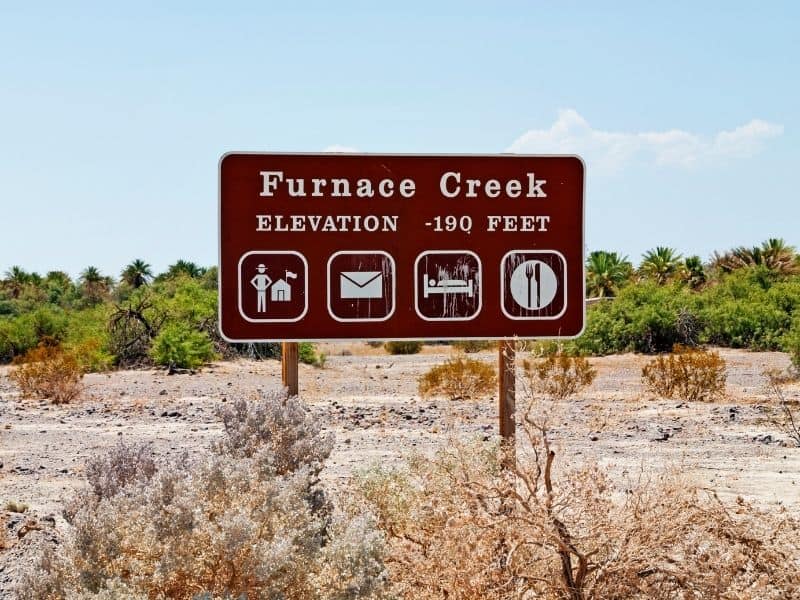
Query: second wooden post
pixel 289 367
pixel 507 396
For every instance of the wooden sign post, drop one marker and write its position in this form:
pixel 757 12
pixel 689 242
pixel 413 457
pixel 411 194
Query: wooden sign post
pixel 289 367
pixel 507 396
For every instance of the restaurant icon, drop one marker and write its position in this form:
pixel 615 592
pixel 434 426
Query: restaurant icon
pixel 533 284
pixel 361 285
pixel 447 285
pixel 273 286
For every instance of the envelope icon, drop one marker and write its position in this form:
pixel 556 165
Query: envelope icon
pixel 360 284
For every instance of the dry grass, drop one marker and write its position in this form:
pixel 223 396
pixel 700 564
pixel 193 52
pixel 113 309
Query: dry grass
pixel 558 376
pixel 789 422
pixel 460 526
pixel 459 378
pixel 688 374
pixel 48 372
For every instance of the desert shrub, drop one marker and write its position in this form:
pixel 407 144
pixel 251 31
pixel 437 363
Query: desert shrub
pixel 119 467
pixel 307 354
pixel 791 343
pixel 403 347
pixel 643 318
pixel 178 345
pixel 459 378
pixel 279 425
pixel 87 338
pixel 747 310
pixel 687 373
pixel 15 507
pixel 752 324
pixel 185 299
pixel 132 326
pixel 91 355
pixel 49 372
pixel 24 332
pixel 459 526
pixel 243 521
pixel 558 376
pixel 788 421
pixel 471 346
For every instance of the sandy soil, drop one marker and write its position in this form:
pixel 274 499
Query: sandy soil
pixel 370 401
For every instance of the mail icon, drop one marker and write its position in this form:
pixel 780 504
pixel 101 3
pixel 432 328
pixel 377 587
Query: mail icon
pixel 360 284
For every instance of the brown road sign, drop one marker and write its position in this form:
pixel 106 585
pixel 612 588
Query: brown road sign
pixel 343 246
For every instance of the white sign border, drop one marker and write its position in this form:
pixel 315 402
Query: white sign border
pixel 253 340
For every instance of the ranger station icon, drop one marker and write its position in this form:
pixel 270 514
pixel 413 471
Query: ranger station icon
pixel 273 286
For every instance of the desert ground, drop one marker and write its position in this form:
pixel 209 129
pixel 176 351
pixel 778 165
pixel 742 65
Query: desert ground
pixel 369 400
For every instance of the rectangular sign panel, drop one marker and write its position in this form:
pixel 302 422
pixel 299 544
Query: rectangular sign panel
pixel 343 246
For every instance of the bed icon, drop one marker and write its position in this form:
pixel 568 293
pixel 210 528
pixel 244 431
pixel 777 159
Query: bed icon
pixel 447 285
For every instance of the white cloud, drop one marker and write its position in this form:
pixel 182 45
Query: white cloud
pixel 339 148
pixel 610 151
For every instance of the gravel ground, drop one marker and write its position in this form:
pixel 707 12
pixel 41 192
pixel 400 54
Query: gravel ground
pixel 370 401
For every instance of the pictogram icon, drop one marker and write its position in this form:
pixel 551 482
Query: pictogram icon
pixel 361 285
pixel 533 284
pixel 273 286
pixel 447 285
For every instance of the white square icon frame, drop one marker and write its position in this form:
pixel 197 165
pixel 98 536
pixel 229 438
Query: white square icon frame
pixel 394 287
pixel 305 286
pixel 478 292
pixel 503 284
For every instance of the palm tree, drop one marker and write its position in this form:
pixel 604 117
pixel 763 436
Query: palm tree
pixel 660 264
pixel 694 273
pixel 184 267
pixel 95 285
pixel 58 286
pixel 16 278
pixel 137 273
pixel 605 273
pixel 774 254
pixel 778 256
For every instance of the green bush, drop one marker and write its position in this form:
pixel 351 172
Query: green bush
pixel 307 353
pixel 403 347
pixel 748 310
pixel 178 345
pixel 643 318
pixel 24 332
pixel 791 343
pixel 87 338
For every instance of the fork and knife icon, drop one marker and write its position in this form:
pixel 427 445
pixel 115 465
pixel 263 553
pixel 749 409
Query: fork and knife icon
pixel 533 274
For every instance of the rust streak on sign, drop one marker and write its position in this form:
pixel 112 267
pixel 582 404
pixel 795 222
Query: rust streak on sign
pixel 344 246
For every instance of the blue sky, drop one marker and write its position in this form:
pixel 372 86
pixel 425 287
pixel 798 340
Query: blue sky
pixel 112 120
